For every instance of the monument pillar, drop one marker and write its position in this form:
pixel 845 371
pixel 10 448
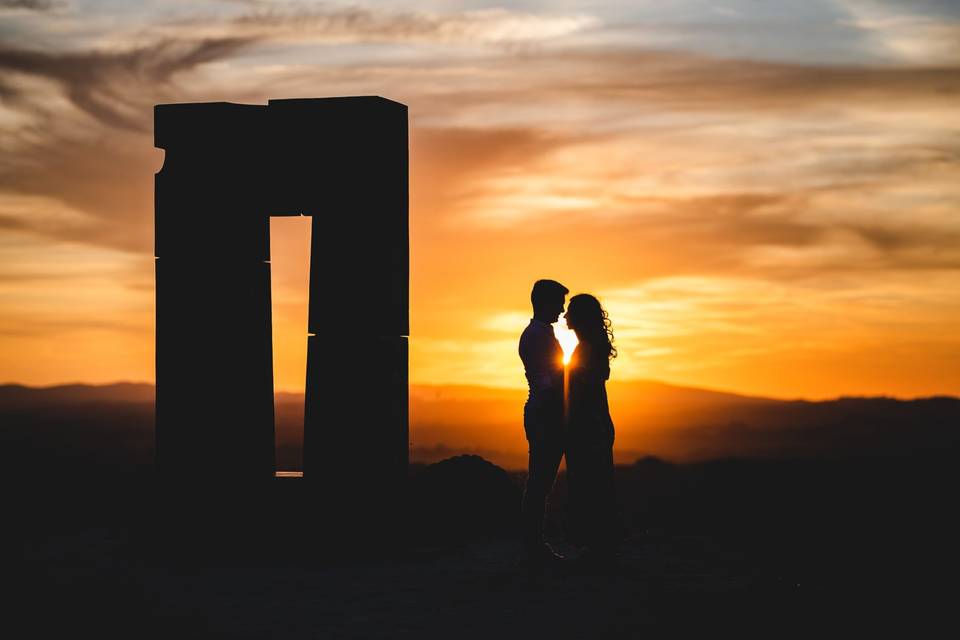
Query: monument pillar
pixel 228 169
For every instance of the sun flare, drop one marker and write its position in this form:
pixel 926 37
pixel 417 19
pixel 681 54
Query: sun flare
pixel 567 339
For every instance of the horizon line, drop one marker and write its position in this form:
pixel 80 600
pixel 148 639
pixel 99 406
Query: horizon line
pixel 742 394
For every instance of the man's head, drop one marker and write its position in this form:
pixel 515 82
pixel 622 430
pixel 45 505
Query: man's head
pixel 547 297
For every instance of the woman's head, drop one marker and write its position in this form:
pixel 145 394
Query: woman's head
pixel 591 323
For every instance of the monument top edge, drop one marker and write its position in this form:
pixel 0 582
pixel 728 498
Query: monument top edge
pixel 240 106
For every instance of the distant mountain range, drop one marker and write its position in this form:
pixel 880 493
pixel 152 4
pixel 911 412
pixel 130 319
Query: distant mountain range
pixel 113 424
pixel 20 395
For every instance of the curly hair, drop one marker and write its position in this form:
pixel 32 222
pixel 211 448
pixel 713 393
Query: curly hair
pixel 590 321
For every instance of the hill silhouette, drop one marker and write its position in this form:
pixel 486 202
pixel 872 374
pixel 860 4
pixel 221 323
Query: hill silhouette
pixel 112 425
pixel 461 497
pixel 12 395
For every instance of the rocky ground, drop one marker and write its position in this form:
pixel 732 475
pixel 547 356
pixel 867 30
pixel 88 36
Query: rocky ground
pixel 100 562
pixel 91 581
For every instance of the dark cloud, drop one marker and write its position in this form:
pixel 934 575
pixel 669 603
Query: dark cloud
pixel 912 247
pixel 105 171
pixel 118 87
pixel 12 222
pixel 30 5
pixel 8 94
pixel 108 177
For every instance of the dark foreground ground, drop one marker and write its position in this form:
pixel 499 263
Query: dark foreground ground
pixel 784 549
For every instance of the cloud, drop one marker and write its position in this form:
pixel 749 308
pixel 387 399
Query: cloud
pixel 30 5
pixel 907 34
pixel 115 87
pixel 52 149
pixel 663 146
pixel 77 137
pixel 788 238
pixel 39 213
pixel 692 82
pixel 355 24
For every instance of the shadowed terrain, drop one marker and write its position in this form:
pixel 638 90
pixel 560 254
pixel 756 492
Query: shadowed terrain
pixel 791 541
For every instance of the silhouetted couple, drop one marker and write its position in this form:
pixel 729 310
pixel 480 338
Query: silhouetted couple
pixel 566 414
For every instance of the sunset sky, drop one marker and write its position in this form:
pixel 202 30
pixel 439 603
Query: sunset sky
pixel 764 194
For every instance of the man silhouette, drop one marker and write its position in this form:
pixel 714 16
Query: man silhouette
pixel 542 415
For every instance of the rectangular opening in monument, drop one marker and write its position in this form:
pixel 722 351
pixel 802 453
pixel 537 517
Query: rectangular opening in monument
pixel 290 295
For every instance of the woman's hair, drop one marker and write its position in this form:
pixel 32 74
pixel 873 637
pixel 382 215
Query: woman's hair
pixel 591 323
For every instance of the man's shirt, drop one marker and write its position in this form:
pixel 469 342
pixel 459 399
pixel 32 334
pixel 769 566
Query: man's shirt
pixel 543 365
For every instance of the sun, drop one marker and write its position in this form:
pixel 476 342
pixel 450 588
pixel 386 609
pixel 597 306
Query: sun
pixel 567 339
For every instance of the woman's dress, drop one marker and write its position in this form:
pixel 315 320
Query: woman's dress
pixel 590 435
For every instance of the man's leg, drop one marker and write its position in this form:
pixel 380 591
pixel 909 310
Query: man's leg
pixel 544 461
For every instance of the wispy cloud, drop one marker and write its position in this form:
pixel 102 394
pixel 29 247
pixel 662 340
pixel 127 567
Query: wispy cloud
pixel 365 25
pixel 110 85
pixel 903 32
pixel 326 24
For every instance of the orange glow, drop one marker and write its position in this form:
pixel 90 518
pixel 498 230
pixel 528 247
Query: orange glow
pixel 786 230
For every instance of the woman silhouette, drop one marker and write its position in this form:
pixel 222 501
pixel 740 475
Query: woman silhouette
pixel 592 511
